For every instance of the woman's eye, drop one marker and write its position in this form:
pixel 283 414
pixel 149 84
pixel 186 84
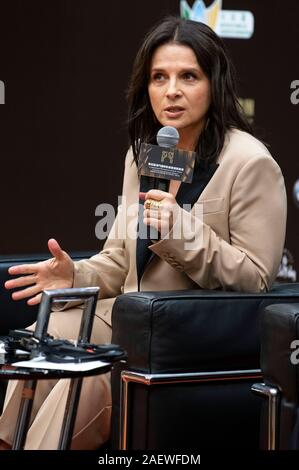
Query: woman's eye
pixel 158 77
pixel 189 76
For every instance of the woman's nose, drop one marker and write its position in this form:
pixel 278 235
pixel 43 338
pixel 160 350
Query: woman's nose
pixel 173 89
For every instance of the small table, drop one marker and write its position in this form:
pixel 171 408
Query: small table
pixel 30 377
pixel 89 296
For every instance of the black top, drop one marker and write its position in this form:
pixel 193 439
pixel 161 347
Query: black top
pixel 188 193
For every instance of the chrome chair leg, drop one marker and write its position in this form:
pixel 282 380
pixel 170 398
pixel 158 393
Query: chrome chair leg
pixel 128 377
pixel 273 396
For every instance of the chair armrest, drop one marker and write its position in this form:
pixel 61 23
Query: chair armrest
pixel 193 330
pixel 279 328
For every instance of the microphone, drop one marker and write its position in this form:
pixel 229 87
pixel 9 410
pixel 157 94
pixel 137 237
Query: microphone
pixel 163 162
pixel 167 137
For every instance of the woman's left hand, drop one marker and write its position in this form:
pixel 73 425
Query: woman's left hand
pixel 160 209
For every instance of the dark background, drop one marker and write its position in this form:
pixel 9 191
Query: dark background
pixel 65 65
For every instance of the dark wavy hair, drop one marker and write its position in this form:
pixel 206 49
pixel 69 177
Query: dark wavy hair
pixel 225 111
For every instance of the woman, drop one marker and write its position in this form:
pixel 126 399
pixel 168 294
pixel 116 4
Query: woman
pixel 182 77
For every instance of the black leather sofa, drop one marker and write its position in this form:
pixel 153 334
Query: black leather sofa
pixel 192 358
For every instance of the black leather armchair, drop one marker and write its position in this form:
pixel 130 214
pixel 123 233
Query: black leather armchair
pixel 192 359
pixel 280 371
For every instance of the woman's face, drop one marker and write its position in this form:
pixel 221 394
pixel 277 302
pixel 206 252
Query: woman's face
pixel 179 91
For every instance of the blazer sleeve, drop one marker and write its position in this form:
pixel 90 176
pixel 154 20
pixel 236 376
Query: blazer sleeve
pixel 107 269
pixel 249 261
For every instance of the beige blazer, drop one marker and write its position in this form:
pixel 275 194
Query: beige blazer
pixel 237 243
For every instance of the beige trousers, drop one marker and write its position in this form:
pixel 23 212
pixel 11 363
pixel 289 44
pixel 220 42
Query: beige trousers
pixel 92 425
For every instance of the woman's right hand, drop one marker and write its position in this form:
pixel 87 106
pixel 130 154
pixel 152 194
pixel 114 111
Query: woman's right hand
pixel 53 273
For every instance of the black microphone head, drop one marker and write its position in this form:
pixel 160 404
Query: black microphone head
pixel 168 137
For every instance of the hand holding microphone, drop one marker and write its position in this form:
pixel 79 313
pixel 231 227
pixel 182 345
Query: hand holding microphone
pixel 159 203
pixel 159 211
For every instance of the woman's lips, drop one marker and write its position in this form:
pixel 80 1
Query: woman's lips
pixel 174 111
